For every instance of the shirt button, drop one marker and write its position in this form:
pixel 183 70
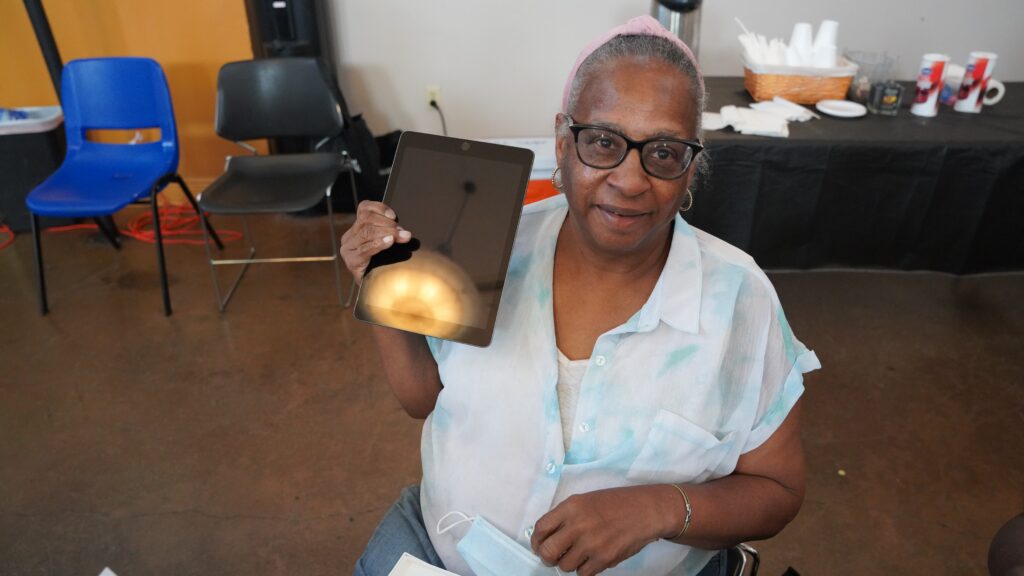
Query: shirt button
pixel 584 427
pixel 599 360
pixel 528 532
pixel 550 467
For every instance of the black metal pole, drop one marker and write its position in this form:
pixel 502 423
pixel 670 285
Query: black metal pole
pixel 41 26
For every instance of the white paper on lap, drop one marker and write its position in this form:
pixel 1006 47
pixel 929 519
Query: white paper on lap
pixel 409 565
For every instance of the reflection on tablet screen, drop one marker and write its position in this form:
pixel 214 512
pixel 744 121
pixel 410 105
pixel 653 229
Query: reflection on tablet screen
pixel 429 294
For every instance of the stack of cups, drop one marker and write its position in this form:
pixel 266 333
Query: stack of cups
pixel 825 44
pixel 800 45
pixel 929 85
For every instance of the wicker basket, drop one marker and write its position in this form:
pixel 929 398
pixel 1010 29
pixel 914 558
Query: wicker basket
pixel 800 84
pixel 799 89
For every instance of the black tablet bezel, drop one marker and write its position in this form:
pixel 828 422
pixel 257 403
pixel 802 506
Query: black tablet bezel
pixel 409 142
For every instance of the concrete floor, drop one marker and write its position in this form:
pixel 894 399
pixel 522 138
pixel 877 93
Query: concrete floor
pixel 265 440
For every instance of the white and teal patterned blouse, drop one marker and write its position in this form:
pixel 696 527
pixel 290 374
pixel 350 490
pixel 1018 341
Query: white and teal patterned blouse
pixel 705 371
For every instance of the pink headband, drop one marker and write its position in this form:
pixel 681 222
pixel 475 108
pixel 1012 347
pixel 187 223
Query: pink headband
pixel 639 26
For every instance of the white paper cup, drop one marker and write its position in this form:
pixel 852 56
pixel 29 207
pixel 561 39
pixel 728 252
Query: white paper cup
pixel 824 56
pixel 975 83
pixel 929 85
pixel 827 31
pixel 801 42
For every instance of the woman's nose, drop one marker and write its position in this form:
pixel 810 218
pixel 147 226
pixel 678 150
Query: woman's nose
pixel 629 177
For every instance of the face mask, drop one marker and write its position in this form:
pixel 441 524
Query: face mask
pixel 489 552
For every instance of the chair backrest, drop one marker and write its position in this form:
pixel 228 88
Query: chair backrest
pixel 275 97
pixel 117 94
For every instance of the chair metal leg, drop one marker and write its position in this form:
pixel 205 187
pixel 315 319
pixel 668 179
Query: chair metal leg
pixel 40 278
pixel 160 252
pixel 213 270
pixel 195 206
pixel 754 557
pixel 222 303
pixel 112 226
pixel 109 231
pixel 352 180
pixel 334 250
pixel 245 266
pixel 109 219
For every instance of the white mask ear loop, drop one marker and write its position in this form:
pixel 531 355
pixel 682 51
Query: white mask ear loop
pixel 462 520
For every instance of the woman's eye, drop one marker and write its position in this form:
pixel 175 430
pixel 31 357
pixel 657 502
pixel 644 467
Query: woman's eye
pixel 664 153
pixel 602 140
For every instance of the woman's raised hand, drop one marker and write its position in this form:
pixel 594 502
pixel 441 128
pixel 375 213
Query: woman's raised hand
pixel 374 230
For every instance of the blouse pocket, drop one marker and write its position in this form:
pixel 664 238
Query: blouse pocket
pixel 679 451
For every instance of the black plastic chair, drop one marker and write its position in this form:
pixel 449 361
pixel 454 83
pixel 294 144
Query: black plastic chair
pixel 272 98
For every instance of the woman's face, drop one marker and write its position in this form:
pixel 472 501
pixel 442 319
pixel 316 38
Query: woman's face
pixel 624 210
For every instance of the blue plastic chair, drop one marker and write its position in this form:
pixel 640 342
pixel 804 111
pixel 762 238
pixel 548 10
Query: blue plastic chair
pixel 98 179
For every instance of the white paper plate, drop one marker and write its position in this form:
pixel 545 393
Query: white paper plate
pixel 841 108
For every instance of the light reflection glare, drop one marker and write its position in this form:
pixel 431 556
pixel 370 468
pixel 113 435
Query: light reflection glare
pixel 428 294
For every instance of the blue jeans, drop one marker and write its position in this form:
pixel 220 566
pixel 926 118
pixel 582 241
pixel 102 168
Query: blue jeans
pixel 402 530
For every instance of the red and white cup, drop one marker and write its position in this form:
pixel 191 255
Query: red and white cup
pixel 977 82
pixel 929 85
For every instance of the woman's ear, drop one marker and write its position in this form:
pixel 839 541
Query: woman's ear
pixel 563 138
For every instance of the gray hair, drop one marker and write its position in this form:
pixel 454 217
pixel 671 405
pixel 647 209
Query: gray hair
pixel 644 47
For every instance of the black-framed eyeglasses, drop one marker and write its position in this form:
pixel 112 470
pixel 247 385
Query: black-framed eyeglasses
pixel 604 148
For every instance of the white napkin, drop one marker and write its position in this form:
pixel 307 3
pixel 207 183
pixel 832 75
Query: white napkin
pixel 781 107
pixel 712 121
pixel 755 122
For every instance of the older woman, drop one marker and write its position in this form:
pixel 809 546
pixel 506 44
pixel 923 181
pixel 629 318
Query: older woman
pixel 637 410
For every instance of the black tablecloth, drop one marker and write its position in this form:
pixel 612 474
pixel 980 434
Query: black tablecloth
pixel 943 193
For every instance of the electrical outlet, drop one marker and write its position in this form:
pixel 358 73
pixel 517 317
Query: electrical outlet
pixel 433 94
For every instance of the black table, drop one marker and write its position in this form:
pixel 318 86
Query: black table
pixel 943 193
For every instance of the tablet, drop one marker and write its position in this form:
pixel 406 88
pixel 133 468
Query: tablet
pixel 461 200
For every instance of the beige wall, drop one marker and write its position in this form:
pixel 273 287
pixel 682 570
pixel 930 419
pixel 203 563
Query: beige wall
pixel 501 64
pixel 190 38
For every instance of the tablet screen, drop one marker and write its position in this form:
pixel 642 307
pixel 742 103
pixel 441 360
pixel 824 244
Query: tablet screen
pixel 462 201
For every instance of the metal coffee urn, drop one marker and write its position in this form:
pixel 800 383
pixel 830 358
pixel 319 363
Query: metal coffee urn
pixel 682 18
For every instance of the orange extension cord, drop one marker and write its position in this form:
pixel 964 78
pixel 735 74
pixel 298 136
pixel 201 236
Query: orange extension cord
pixel 178 225
pixel 10 236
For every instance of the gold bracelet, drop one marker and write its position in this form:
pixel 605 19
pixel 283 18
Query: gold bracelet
pixel 689 511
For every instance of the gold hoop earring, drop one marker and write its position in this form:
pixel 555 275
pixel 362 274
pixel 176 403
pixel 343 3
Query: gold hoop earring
pixel 554 178
pixel 685 207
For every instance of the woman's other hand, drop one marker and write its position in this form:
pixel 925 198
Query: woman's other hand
pixel 375 230
pixel 589 533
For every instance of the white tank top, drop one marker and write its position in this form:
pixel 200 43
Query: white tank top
pixel 570 375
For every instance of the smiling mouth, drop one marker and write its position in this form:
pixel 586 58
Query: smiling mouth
pixel 621 212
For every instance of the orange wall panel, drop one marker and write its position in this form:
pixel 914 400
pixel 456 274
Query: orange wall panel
pixel 191 39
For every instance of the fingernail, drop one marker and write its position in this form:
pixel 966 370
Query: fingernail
pixel 390 213
pixel 388 239
pixel 405 234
